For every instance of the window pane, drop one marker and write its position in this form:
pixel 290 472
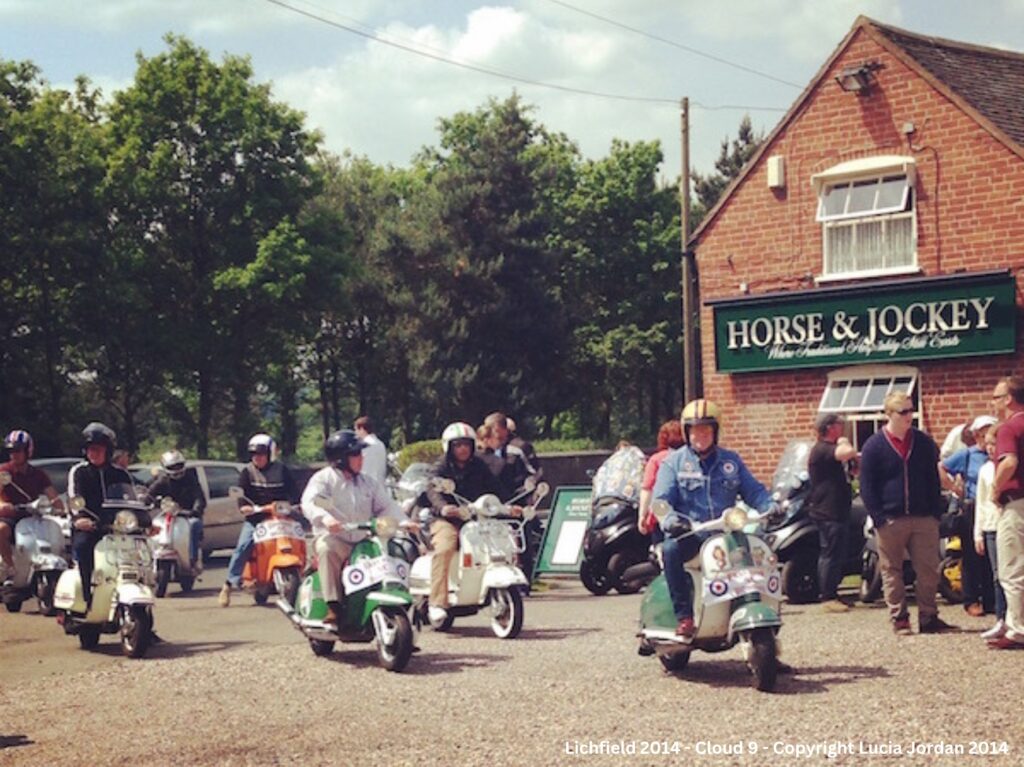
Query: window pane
pixel 839 248
pixel 891 192
pixel 900 236
pixel 870 245
pixel 876 393
pixel 220 478
pixel 903 384
pixel 833 396
pixel 834 200
pixel 855 394
pixel 862 196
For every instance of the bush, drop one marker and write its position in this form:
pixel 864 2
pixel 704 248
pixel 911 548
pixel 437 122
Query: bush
pixel 567 445
pixel 427 451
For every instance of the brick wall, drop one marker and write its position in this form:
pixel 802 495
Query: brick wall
pixel 970 217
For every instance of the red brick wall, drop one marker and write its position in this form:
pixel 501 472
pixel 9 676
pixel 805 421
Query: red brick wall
pixel 970 217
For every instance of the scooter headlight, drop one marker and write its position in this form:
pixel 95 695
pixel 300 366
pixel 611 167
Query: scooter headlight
pixel 167 505
pixel 385 527
pixel 126 522
pixel 734 519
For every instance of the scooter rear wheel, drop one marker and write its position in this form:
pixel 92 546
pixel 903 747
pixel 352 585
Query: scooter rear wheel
pixel 870 580
pixel 163 577
pixel 88 637
pixel 14 606
pixel 46 584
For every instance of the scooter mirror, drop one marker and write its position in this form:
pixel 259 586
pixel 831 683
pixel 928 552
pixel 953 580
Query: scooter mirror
pixel 530 483
pixel 660 509
pixel 777 496
pixel 5 478
pixel 235 492
pixel 322 502
pixel 76 502
pixel 542 490
pixel 154 471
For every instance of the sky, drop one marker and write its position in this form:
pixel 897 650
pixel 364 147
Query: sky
pixel 620 66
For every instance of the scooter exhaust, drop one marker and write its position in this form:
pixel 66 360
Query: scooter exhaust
pixel 310 629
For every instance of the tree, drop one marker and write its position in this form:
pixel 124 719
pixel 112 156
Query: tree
pixel 728 166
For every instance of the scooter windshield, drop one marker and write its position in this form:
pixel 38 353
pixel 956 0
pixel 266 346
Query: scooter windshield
pixel 125 496
pixel 791 472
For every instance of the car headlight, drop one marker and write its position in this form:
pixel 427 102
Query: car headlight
pixel 385 527
pixel 126 522
pixel 734 519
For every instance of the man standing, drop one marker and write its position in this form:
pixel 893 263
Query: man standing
pixel 899 482
pixel 1008 491
pixel 375 456
pixel 829 502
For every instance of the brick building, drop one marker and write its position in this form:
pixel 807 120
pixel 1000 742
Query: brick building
pixel 875 241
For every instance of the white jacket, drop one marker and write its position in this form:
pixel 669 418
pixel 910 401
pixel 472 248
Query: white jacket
pixel 986 512
pixel 352 500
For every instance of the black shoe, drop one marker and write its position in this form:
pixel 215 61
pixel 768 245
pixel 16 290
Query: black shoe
pixel 935 625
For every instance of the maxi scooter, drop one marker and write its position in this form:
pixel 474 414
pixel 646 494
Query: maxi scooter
pixel 38 545
pixel 736 599
pixel 376 600
pixel 171 556
pixel 122 596
pixel 484 571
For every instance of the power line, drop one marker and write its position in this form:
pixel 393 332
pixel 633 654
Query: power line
pixel 674 44
pixel 504 75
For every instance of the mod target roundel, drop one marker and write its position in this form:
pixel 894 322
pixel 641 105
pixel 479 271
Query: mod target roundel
pixel 356 577
pixel 718 587
pixel 773 583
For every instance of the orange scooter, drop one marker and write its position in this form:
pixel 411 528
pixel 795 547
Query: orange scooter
pixel 278 555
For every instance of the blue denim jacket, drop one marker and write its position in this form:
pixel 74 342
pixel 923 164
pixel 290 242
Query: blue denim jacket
pixel 703 489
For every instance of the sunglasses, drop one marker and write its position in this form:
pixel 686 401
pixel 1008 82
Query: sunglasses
pixel 904 411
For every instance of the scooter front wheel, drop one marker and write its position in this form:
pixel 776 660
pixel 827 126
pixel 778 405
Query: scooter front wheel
pixel 321 647
pixel 46 584
pixel 675 662
pixel 163 577
pixel 136 631
pixel 507 605
pixel 88 637
pixel 764 662
pixel 394 648
pixel 14 606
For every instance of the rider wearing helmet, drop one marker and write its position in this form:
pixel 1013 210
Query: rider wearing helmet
pixel 181 485
pixel 699 481
pixel 264 481
pixel 90 480
pixel 352 497
pixel 472 479
pixel 27 483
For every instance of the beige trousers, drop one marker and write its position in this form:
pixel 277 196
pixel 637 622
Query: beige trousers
pixel 332 553
pixel 919 537
pixel 1010 553
pixel 445 538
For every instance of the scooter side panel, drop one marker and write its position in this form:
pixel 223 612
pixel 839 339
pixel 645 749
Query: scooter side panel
pixel 310 601
pixel 68 594
pixel 656 608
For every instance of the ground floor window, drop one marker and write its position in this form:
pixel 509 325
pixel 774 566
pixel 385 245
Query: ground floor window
pixel 857 393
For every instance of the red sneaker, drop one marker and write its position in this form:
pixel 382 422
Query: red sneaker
pixel 685 629
pixel 1005 643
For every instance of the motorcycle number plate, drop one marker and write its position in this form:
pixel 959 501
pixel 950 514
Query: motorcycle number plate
pixel 368 572
pixel 277 528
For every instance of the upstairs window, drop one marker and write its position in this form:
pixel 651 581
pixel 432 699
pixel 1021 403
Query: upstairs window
pixel 866 208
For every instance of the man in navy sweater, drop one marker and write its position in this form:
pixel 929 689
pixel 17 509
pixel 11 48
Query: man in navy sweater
pixel 899 483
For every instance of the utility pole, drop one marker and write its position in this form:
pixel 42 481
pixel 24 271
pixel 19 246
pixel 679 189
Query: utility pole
pixel 690 361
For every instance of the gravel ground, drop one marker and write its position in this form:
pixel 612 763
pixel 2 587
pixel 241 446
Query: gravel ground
pixel 570 682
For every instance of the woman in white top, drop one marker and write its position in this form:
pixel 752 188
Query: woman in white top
pixel 986 515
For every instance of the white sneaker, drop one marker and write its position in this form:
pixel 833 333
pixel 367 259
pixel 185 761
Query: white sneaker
pixel 436 614
pixel 995 632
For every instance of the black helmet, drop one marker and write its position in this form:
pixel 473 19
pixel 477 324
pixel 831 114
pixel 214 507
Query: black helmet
pixel 341 445
pixel 97 433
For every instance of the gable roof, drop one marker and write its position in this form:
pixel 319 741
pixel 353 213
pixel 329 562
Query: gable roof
pixel 986 83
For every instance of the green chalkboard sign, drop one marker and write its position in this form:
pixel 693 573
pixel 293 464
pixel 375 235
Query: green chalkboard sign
pixel 562 547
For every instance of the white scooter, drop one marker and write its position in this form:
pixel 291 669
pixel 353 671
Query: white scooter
pixel 38 545
pixel 122 594
pixel 171 555
pixel 484 571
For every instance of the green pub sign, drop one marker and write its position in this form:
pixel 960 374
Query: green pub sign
pixel 958 315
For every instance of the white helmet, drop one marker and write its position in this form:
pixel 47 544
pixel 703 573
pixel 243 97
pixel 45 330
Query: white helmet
pixel 456 431
pixel 174 464
pixel 263 443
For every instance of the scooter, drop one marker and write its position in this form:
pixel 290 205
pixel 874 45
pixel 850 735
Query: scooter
pixel 171 555
pixel 376 599
pixel 279 552
pixel 484 571
pixel 38 545
pixel 122 594
pixel 737 599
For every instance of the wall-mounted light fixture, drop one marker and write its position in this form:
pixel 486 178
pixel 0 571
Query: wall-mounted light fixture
pixel 858 79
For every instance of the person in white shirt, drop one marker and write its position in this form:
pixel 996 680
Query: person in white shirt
pixel 375 457
pixel 986 517
pixel 353 497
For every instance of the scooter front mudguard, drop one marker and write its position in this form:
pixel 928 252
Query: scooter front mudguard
pixel 133 594
pixel 389 598
pixel 280 561
pixel 502 577
pixel 753 615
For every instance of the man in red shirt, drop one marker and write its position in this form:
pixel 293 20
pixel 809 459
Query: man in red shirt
pixel 1008 492
pixel 27 484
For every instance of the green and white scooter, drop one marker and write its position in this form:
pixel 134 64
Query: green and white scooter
pixel 376 602
pixel 737 598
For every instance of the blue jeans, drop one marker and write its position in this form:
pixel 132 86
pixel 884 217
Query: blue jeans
pixel 241 554
pixel 680 582
pixel 832 537
pixel 195 537
pixel 1000 595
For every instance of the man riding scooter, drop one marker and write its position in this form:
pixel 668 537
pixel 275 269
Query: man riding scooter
pixel 472 479
pixel 264 481
pixel 699 481
pixel 181 485
pixel 354 497
pixel 27 483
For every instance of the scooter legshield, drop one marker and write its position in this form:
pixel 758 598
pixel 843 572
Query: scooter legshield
pixel 310 603
pixel 656 608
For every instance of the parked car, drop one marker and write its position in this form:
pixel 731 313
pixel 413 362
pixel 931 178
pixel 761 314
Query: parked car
pixel 222 520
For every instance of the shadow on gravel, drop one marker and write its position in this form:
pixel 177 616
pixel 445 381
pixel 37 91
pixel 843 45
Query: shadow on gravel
pixel 165 650
pixel 804 680
pixel 421 664
pixel 13 741
pixel 559 633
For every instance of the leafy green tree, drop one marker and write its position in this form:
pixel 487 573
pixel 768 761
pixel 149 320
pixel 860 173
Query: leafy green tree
pixel 730 162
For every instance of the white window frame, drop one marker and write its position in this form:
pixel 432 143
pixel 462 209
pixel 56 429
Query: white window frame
pixel 857 172
pixel 857 413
